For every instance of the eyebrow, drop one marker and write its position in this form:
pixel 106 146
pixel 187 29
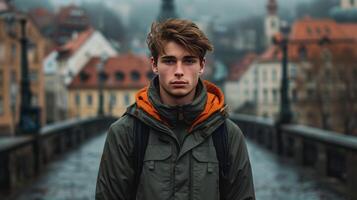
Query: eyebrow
pixel 173 57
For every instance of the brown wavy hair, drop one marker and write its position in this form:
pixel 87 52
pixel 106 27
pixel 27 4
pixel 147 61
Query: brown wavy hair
pixel 183 32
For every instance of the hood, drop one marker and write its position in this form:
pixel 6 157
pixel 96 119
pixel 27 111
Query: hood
pixel 214 104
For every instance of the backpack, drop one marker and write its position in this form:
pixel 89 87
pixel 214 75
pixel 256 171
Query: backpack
pixel 220 141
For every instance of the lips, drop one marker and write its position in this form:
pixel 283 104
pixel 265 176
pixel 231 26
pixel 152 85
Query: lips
pixel 178 83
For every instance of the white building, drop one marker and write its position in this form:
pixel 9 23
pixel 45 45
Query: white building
pixel 254 87
pixel 65 62
pixel 240 87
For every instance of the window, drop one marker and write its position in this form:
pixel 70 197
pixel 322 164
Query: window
pixel 33 75
pixel 1 105
pixel 89 99
pixel 264 74
pixel 135 75
pixel 265 95
pixel 302 52
pixel 308 30
pixel 83 76
pixel 127 99
pixel 274 75
pixel 13 52
pixel 34 100
pixel 78 99
pixel 112 99
pixel 294 94
pixel 119 76
pixel 275 95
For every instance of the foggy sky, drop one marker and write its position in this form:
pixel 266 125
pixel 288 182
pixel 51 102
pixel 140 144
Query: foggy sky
pixel 220 10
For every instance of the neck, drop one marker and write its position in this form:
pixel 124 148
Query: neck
pixel 172 100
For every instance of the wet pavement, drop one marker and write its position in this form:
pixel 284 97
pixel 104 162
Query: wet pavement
pixel 73 177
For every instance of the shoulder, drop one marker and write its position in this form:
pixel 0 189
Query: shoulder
pixel 235 134
pixel 122 129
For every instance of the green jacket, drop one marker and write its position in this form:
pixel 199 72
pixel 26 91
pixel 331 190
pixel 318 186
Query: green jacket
pixel 174 168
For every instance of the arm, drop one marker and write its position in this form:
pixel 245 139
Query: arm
pixel 116 174
pixel 240 176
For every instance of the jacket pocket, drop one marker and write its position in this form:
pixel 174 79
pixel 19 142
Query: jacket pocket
pixel 155 180
pixel 205 173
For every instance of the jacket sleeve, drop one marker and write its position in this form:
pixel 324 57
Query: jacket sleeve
pixel 116 174
pixel 240 186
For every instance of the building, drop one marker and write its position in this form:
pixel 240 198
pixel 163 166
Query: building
pixel 328 71
pixel 10 70
pixel 68 61
pixel 239 88
pixel 272 22
pixel 321 72
pixel 70 20
pixel 124 76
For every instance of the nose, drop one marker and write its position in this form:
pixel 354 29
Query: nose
pixel 179 70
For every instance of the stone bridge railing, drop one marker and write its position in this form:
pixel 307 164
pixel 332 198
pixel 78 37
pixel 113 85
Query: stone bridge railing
pixel 332 155
pixel 21 158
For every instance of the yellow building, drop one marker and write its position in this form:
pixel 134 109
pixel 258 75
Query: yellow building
pixel 124 75
pixel 10 70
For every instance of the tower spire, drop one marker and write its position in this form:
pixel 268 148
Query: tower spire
pixel 272 21
pixel 272 7
pixel 167 10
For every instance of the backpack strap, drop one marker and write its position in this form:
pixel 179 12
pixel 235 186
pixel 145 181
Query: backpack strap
pixel 141 137
pixel 220 141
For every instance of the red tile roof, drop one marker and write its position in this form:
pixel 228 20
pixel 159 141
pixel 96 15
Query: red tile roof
pixel 239 68
pixel 124 64
pixel 307 33
pixel 73 45
pixel 42 16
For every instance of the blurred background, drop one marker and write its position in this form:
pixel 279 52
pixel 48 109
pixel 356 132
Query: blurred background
pixel 288 68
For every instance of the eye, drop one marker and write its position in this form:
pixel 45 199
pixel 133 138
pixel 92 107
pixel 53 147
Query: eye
pixel 169 61
pixel 190 61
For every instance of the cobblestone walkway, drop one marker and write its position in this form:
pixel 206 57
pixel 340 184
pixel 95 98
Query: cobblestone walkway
pixel 73 177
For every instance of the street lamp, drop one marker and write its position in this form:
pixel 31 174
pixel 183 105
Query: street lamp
pixel 285 115
pixel 29 116
pixel 101 78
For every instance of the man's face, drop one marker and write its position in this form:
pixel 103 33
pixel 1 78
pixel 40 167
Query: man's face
pixel 178 72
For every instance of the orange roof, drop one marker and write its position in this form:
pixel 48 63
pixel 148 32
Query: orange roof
pixel 73 45
pixel 238 69
pixel 306 35
pixel 119 71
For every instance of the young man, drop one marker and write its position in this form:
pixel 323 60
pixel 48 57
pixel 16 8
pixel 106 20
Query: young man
pixel 181 113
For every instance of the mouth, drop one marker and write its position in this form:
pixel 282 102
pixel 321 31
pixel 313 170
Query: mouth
pixel 178 83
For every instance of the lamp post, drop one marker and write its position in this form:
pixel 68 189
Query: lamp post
pixel 101 79
pixel 285 115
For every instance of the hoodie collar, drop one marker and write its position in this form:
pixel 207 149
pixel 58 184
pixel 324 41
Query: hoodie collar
pixel 209 99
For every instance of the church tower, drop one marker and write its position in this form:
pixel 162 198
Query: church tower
pixel 167 10
pixel 272 21
pixel 347 4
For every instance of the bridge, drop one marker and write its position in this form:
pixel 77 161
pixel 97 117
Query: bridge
pixel 289 162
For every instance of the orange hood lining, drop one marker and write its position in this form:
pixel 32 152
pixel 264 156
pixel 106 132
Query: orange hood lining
pixel 215 102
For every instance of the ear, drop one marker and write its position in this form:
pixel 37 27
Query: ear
pixel 202 65
pixel 153 65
